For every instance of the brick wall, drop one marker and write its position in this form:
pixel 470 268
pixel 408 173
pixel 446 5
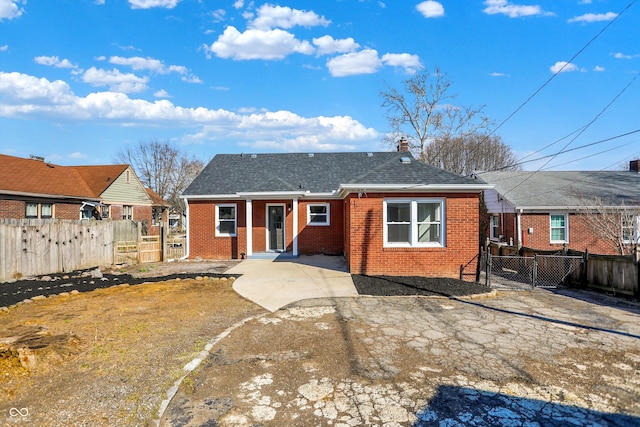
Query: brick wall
pixel 321 239
pixel 581 236
pixel 16 209
pixel 203 242
pixel 365 243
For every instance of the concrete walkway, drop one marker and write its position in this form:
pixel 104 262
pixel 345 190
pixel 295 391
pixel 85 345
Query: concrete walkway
pixel 275 283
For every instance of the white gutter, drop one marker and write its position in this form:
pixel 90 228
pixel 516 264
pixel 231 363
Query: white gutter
pixel 519 227
pixel 188 229
pixel 449 188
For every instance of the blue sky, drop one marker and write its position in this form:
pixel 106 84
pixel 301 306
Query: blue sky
pixel 82 79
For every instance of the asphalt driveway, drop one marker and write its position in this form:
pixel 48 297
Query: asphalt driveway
pixel 518 358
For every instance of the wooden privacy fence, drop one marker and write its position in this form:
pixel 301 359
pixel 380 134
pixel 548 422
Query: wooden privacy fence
pixel 30 247
pixel 35 246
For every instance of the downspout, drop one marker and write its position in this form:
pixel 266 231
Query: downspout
pixel 187 239
pixel 519 227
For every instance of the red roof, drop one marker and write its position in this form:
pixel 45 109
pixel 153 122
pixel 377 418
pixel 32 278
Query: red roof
pixel 36 177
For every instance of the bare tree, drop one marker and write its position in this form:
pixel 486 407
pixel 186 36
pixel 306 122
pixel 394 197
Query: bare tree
pixel 619 226
pixel 476 152
pixel 453 137
pixel 162 167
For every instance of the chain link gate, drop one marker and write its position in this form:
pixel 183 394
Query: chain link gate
pixel 519 272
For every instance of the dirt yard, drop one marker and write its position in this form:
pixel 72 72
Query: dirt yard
pixel 107 357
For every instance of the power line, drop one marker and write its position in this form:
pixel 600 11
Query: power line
pixel 562 68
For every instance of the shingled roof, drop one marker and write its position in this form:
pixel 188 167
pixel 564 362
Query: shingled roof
pixel 33 177
pixel 230 174
pixel 564 189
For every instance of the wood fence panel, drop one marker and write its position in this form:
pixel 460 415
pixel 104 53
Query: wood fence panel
pixel 34 247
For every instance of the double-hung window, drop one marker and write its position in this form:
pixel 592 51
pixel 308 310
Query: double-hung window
pixel 226 220
pixel 46 210
pixel 630 228
pixel 495 227
pixel 127 212
pixel 31 210
pixel 417 222
pixel 559 228
pixel 318 214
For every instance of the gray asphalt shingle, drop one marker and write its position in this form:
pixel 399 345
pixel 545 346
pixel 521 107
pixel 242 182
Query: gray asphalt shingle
pixel 565 188
pixel 317 173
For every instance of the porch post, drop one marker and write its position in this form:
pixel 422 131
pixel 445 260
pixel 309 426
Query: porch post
pixel 295 227
pixel 249 225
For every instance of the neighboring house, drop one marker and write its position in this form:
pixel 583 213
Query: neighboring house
pixel 551 210
pixel 385 212
pixel 33 188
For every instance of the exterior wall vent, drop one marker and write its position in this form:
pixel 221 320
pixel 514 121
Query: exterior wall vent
pixel 405 160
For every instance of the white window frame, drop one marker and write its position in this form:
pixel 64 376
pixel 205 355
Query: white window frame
pixel 26 210
pixel 566 227
pixel 413 223
pixel 235 219
pixel 635 230
pixel 494 225
pixel 328 214
pixel 125 210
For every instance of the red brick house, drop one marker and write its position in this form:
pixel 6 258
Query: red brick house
pixel 33 188
pixel 549 210
pixel 386 213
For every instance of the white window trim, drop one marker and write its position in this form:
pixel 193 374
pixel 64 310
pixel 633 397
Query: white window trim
pixel 235 219
pixel 413 234
pixel 566 227
pixel 492 235
pixel 327 222
pixel 635 235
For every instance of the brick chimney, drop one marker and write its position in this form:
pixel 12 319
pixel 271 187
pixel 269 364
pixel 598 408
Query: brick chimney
pixel 634 166
pixel 403 146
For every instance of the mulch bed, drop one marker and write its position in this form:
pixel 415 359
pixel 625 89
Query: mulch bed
pixel 14 292
pixel 413 285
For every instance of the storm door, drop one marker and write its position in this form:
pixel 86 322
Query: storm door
pixel 275 228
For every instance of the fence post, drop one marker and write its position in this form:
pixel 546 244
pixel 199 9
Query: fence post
pixel 534 273
pixel 488 269
pixel 636 259
pixel 585 268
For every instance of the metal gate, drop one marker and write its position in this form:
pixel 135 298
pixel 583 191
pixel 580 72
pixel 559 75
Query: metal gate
pixel 517 272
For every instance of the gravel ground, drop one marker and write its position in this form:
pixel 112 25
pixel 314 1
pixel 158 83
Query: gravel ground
pixel 413 285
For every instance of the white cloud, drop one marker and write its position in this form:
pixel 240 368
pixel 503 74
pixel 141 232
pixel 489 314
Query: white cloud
pixel 219 15
pixel 598 68
pixel 162 94
pixel 138 63
pixel 4 48
pixel 115 80
pixel 503 7
pixel 257 44
pixel 430 9
pixel 77 155
pixel 270 17
pixel 10 9
pixel 238 4
pixel 410 63
pixel 148 4
pixel 26 96
pixel 497 74
pixel 53 61
pixel 363 62
pixel 620 55
pixel 327 45
pixel 563 67
pixel 594 17
pixel 99 2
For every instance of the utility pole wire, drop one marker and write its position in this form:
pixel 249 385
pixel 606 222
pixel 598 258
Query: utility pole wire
pixel 562 68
